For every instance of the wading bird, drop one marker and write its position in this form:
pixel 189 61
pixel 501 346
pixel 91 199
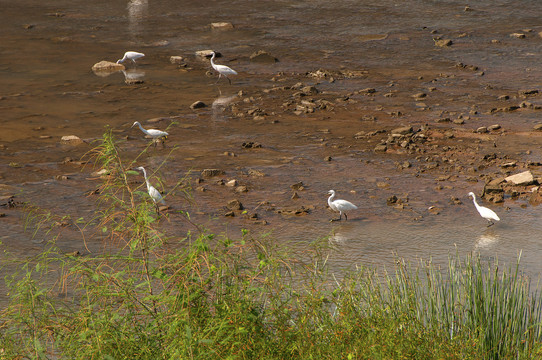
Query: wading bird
pixel 484 212
pixel 222 69
pixel 153 133
pixel 154 194
pixel 339 205
pixel 131 55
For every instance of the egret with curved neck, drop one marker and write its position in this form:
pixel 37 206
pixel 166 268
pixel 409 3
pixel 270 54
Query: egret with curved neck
pixel 484 212
pixel 131 55
pixel 153 193
pixel 339 205
pixel 222 69
pixel 153 133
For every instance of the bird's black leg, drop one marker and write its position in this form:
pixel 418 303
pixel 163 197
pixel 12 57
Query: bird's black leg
pixel 345 217
pixel 490 223
pixel 228 79
pixel 339 219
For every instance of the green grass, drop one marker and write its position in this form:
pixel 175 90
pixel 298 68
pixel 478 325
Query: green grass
pixel 201 296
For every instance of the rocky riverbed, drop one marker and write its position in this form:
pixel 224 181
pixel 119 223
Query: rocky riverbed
pixel 402 119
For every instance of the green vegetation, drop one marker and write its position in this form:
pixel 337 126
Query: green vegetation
pixel 199 296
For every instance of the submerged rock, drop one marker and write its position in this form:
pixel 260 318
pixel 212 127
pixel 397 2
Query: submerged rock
pixel 71 140
pixel 212 172
pixel 207 53
pixel 223 25
pixel 262 56
pixel 443 42
pixel 179 60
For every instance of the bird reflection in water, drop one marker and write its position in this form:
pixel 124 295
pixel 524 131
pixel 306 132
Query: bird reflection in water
pixel 133 76
pixel 219 105
pixel 487 240
pixel 337 239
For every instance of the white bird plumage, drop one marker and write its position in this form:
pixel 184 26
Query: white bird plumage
pixel 339 205
pixel 154 194
pixel 130 55
pixel 153 133
pixel 484 212
pixel 222 69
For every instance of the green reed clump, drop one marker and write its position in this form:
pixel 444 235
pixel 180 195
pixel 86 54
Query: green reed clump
pixel 494 305
pixel 199 296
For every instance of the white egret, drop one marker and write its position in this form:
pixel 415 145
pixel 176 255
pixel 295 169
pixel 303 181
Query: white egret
pixel 153 133
pixel 222 69
pixel 339 205
pixel 131 55
pixel 154 194
pixel 484 212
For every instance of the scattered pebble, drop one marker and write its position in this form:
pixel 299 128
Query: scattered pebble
pixel 212 172
pixel 71 140
pixel 198 105
pixel 222 25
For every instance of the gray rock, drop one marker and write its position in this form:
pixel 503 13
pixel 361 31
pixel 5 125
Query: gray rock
pixel 537 127
pixel 241 189
pixel 392 200
pixel 207 53
pixel 222 25
pixel 198 105
pixel 232 183
pixel 107 66
pixel 235 205
pixel 528 92
pixel 310 90
pixel 176 60
pixel 419 95
pixel 524 178
pixel 494 127
pixel 381 148
pixel 443 42
pixel 255 173
pixel 71 140
pixel 367 91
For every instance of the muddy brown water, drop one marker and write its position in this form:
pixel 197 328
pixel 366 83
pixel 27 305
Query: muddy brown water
pixel 48 90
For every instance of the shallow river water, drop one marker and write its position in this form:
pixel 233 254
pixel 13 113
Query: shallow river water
pixel 48 90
